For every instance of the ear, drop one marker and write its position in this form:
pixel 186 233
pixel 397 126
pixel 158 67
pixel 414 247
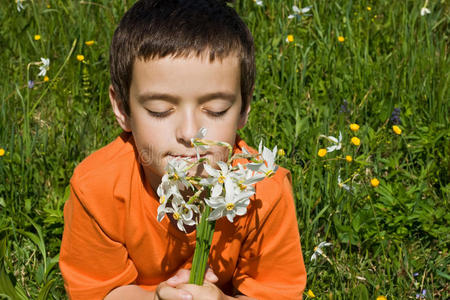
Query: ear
pixel 244 117
pixel 117 105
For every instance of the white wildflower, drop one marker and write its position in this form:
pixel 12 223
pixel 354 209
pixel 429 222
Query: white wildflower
pixel 298 12
pixel 176 172
pixel 318 250
pixel 45 64
pixel 268 166
pixel 182 213
pixel 259 2
pixel 337 143
pixel 198 145
pixel 424 11
pixel 234 203
pixel 245 178
pixel 19 5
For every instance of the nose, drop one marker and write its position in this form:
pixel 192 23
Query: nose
pixel 187 128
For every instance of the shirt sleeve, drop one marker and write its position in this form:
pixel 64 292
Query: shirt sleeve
pixel 91 262
pixel 271 261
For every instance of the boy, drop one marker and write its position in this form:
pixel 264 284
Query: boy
pixel 176 66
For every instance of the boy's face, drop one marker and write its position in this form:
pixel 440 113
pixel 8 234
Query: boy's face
pixel 171 99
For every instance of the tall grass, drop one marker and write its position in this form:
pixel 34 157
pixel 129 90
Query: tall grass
pixel 387 240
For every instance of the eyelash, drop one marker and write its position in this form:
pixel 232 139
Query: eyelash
pixel 161 115
pixel 217 115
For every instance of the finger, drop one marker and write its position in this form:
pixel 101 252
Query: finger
pixel 164 291
pixel 182 276
pixel 210 276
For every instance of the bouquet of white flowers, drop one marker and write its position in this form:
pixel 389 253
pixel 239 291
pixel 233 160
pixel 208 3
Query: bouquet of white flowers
pixel 228 190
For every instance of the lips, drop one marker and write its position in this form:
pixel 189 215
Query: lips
pixel 185 156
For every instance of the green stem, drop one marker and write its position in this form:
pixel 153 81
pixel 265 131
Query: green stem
pixel 205 231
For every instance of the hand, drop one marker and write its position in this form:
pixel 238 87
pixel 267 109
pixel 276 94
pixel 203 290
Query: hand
pixel 170 289
pixel 207 291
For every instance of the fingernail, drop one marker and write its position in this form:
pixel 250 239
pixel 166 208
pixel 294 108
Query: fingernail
pixel 212 277
pixel 173 279
pixel 186 296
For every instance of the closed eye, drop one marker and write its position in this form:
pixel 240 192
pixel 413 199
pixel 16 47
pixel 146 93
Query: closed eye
pixel 217 114
pixel 158 114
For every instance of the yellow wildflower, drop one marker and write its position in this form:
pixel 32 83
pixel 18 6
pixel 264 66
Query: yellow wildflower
pixel 369 9
pixel 80 57
pixel 46 78
pixel 374 182
pixel 281 152
pixel 2 151
pixel 354 127
pixel 310 294
pixel 381 298
pixel 89 43
pixel 37 37
pixel 348 158
pixel 322 152
pixel 290 38
pixel 341 39
pixel 396 129
pixel 355 141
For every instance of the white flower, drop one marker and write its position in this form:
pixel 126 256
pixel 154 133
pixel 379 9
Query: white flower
pixel 318 250
pixel 259 2
pixel 267 167
pixel 245 178
pixel 198 145
pixel 298 12
pixel 45 63
pixel 217 177
pixel 337 143
pixel 19 5
pixel 165 191
pixel 234 203
pixel 182 213
pixel 424 11
pixel 176 172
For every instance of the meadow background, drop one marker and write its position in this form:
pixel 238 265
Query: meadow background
pixel 372 63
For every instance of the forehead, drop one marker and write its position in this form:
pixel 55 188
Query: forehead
pixel 186 74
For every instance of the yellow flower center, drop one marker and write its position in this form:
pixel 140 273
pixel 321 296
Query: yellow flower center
pixel 162 199
pixel 174 177
pixel 221 179
pixel 242 186
pixel 176 216
pixel 269 172
pixel 229 206
pixel 290 38
pixel 80 57
pixel 348 158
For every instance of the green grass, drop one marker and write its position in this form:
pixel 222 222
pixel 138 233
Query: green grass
pixel 388 240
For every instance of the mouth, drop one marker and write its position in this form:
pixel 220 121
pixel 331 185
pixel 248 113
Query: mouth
pixel 186 156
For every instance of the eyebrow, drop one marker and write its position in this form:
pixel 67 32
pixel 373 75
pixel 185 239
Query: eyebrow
pixel 172 98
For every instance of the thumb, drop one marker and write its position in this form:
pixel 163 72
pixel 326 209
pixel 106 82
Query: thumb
pixel 182 276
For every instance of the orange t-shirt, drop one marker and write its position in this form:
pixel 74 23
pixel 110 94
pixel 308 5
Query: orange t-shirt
pixel 112 238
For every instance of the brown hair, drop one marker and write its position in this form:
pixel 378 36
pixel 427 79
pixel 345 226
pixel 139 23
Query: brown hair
pixel 180 28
